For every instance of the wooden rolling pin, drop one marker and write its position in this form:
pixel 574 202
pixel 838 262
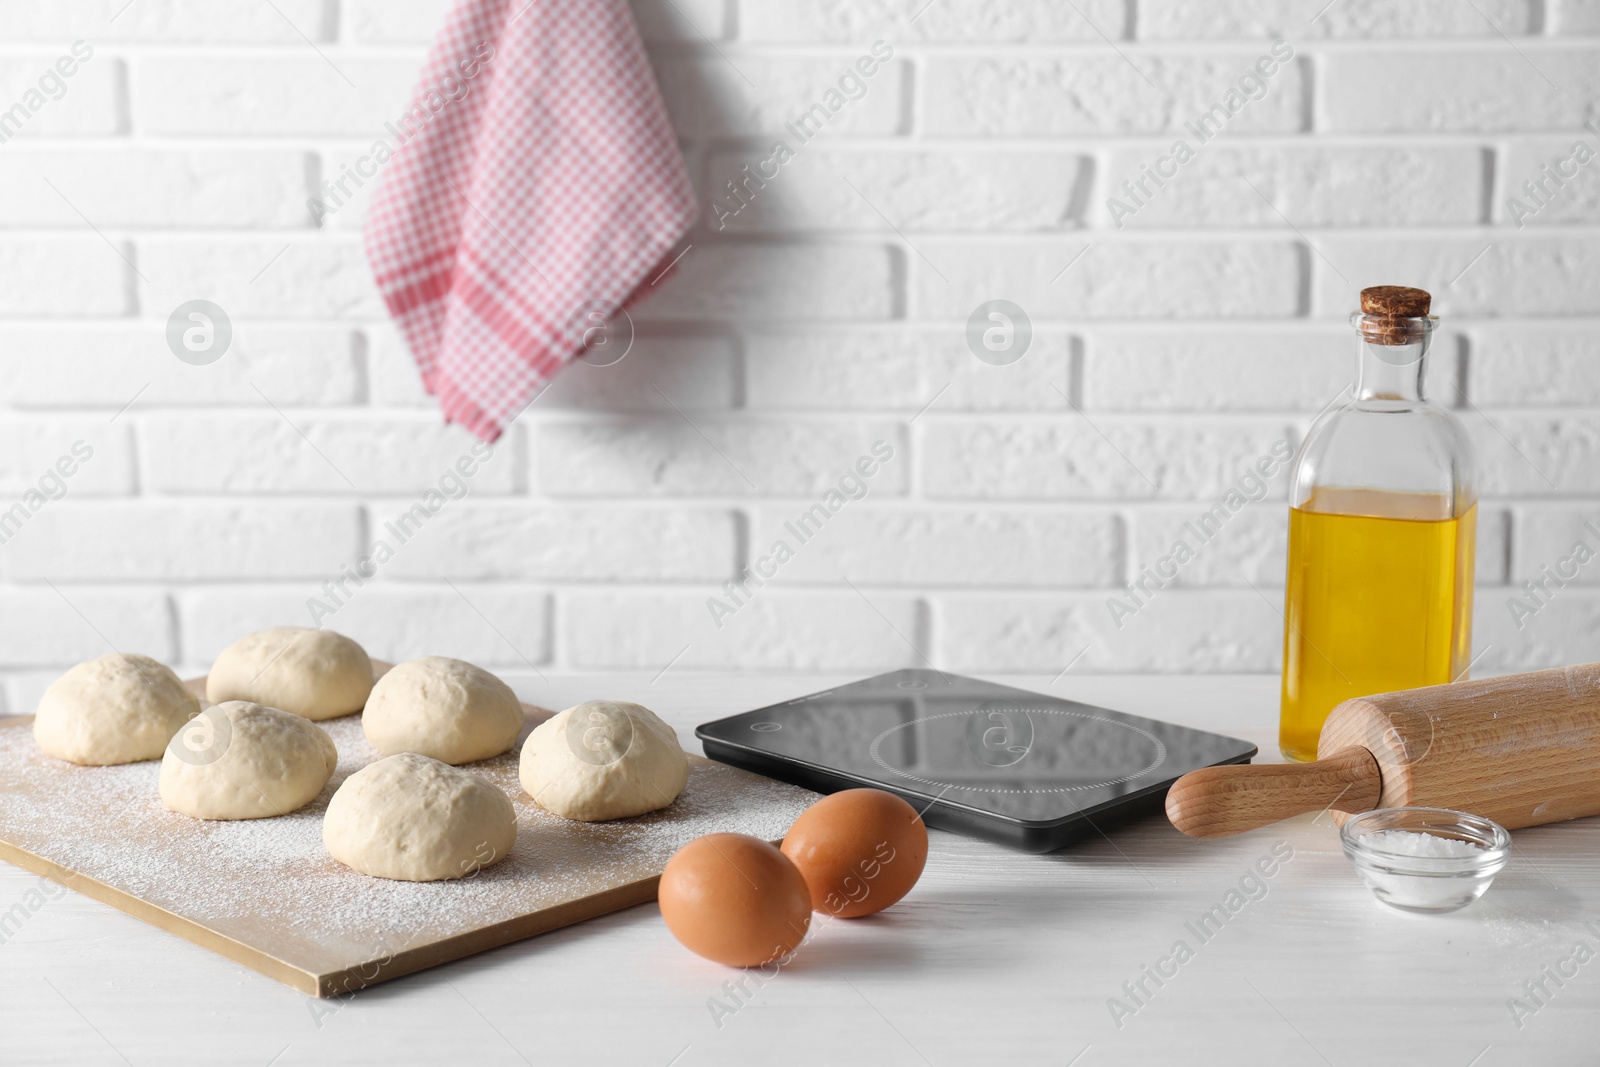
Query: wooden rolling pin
pixel 1522 750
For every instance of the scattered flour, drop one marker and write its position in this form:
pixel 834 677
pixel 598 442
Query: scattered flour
pixel 270 883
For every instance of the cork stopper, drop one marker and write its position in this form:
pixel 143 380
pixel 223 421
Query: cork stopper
pixel 1395 301
pixel 1388 314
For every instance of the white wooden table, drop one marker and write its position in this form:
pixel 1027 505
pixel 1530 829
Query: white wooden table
pixel 996 956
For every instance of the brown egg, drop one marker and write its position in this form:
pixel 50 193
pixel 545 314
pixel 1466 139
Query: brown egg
pixel 860 851
pixel 735 899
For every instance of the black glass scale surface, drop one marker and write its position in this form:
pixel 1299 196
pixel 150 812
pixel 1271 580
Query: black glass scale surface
pixel 1019 768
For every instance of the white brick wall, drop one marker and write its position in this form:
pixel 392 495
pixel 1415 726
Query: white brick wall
pixel 1169 352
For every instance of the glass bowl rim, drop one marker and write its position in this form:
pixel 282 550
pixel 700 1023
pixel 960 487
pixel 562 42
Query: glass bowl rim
pixel 1492 838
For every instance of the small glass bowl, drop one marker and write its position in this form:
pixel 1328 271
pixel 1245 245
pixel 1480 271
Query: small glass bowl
pixel 1425 883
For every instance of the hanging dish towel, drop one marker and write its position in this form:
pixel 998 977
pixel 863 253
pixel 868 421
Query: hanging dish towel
pixel 537 183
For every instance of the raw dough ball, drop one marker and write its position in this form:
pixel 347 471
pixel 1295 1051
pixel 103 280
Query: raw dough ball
pixel 115 709
pixel 603 759
pixel 442 708
pixel 419 820
pixel 239 760
pixel 315 673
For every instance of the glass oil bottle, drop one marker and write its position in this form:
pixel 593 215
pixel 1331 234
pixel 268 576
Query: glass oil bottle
pixel 1382 525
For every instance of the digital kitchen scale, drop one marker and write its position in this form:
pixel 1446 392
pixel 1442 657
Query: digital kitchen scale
pixel 1018 768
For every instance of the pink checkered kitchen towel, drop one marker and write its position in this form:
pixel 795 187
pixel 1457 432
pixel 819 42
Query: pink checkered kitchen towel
pixel 537 179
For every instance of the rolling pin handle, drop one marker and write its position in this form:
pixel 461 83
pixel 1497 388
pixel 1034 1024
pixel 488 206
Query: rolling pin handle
pixel 1219 801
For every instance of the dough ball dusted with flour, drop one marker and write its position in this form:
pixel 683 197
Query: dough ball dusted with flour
pixel 443 708
pixel 603 759
pixel 239 760
pixel 314 673
pixel 120 708
pixel 416 819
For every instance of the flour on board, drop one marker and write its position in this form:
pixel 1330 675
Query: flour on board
pixel 274 875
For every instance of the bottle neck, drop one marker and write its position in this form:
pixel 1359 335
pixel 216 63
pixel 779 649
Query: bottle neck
pixel 1392 372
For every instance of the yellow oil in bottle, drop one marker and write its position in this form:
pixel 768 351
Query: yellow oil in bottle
pixel 1379 598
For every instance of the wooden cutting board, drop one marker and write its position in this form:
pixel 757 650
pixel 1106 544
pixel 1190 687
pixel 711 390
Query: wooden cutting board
pixel 265 893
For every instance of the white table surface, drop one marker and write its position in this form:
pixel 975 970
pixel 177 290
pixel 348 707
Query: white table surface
pixel 995 956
